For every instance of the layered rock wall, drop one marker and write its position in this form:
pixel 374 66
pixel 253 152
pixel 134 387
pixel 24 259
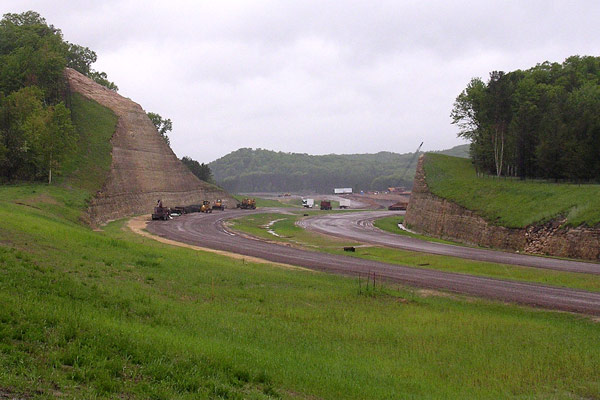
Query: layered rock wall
pixel 438 217
pixel 144 168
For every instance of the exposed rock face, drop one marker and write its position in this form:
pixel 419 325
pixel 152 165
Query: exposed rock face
pixel 144 169
pixel 438 217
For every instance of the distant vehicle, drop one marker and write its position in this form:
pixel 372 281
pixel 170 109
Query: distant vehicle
pixel 247 204
pixel 342 190
pixel 161 212
pixel 399 206
pixel 308 203
pixel 345 203
pixel 206 208
pixel 325 205
pixel 219 205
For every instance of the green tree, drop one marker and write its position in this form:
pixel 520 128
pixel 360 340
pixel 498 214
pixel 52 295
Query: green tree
pixel 162 126
pixel 202 171
pixel 58 140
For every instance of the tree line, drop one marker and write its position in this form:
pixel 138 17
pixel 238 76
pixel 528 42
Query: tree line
pixel 258 170
pixel 36 130
pixel 543 122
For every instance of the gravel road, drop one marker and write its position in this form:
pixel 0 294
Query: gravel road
pixel 208 230
pixel 359 226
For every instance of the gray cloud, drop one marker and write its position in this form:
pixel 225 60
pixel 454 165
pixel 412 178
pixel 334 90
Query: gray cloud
pixel 314 76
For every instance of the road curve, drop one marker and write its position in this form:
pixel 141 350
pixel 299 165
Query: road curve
pixel 359 226
pixel 207 230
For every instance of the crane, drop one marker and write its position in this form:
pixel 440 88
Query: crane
pixel 412 160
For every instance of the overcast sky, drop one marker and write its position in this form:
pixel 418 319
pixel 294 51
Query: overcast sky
pixel 318 76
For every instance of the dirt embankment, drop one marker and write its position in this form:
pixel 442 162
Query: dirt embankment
pixel 144 168
pixel 441 218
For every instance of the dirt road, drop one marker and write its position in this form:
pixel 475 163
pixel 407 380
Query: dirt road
pixel 208 230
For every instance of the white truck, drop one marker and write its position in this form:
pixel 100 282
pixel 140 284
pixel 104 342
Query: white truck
pixel 342 191
pixel 308 203
pixel 345 203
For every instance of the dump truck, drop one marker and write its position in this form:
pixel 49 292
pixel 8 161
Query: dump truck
pixel 247 204
pixel 308 203
pixel 219 205
pixel 206 208
pixel 161 212
pixel 325 205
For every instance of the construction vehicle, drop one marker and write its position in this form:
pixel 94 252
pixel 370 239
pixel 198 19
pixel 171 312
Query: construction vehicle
pixel 399 206
pixel 325 205
pixel 177 211
pixel 194 208
pixel 308 203
pixel 206 208
pixel 218 205
pixel 345 203
pixel 161 212
pixel 247 204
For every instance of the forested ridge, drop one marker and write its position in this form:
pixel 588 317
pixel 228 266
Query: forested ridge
pixel 36 130
pixel 258 170
pixel 543 122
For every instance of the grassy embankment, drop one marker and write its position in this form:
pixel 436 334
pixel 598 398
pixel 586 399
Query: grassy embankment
pixel 287 230
pixel 109 314
pixel 511 202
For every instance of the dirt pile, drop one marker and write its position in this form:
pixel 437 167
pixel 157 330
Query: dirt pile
pixel 143 169
pixel 438 217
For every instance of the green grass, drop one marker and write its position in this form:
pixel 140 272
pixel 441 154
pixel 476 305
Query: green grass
pixel 95 125
pixel 511 202
pixel 288 231
pixel 390 224
pixel 109 314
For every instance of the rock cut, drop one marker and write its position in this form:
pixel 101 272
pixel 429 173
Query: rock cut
pixel 143 167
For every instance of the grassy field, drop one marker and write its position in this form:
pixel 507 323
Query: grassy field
pixel 109 314
pixel 511 202
pixel 287 231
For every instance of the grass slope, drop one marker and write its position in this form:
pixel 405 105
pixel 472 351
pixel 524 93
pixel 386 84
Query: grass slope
pixel 511 202
pixel 109 314
pixel 95 125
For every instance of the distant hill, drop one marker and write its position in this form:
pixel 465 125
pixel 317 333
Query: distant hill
pixel 461 151
pixel 248 170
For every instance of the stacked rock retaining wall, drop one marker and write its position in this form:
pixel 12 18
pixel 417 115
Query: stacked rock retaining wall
pixel 438 217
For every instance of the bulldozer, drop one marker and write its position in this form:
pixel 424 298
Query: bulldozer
pixel 206 208
pixel 247 204
pixel 218 205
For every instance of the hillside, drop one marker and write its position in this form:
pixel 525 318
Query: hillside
pixel 509 202
pixel 248 170
pixel 451 201
pixel 143 167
